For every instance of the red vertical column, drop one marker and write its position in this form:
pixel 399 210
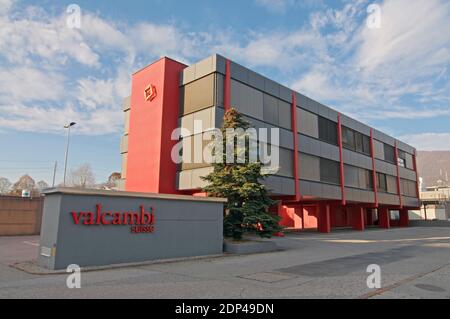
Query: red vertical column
pixel 295 141
pixel 404 218
pixel 417 174
pixel 324 223
pixel 339 128
pixel 357 218
pixel 369 217
pixel 398 177
pixel 374 169
pixel 384 219
pixel 227 87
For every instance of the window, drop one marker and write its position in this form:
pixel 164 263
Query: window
pixel 389 153
pixel 327 131
pixel 355 141
pixel 329 171
pixel 366 145
pixel 369 179
pixel 351 176
pixel 348 138
pixel 358 142
pixel 391 182
pixel 409 188
pixel 401 160
pixel 358 177
pixel 381 182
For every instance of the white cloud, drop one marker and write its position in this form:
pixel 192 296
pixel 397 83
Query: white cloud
pixel 277 6
pixel 333 58
pixel 409 34
pixel 30 84
pixel 428 141
pixel 5 6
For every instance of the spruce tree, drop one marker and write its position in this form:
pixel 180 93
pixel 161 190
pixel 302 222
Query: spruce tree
pixel 247 209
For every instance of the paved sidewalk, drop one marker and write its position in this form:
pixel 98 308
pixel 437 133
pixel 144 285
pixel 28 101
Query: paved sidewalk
pixel 415 263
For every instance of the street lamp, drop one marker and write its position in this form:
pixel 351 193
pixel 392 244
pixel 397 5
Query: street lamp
pixel 67 126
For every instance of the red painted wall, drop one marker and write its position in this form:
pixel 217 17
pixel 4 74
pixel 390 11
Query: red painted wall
pixel 298 217
pixel 149 164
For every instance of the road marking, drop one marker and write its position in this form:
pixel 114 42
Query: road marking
pixel 32 243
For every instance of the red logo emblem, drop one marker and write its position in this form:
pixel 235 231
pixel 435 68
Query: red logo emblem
pixel 150 92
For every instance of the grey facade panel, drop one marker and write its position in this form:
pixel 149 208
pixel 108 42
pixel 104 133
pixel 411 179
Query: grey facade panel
pixel 388 199
pixel 273 183
pixel 286 163
pixel 288 186
pixel 405 147
pixel 124 144
pixel 284 115
pixel 309 167
pixel 307 103
pixel 126 121
pixel 271 87
pixel 256 80
pixel 126 105
pixel 247 100
pixel 286 139
pixel 238 72
pixel 331 191
pixel 307 123
pixel 285 94
pixel 270 106
pixel 219 89
pixel 410 201
pixel 219 63
pixel 204 67
pixel 383 137
pixel 407 174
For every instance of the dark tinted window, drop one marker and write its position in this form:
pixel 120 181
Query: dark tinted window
pixel 366 145
pixel 381 183
pixel 329 171
pixel 328 131
pixel 389 153
pixel 359 142
pixel 355 141
pixel 369 179
pixel 401 158
pixel 348 138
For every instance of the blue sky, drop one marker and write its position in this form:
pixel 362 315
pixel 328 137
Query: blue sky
pixel 394 78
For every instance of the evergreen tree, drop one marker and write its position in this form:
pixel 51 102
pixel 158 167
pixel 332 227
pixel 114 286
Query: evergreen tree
pixel 247 209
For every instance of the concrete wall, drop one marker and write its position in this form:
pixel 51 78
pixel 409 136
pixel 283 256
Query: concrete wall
pixel 184 226
pixel 20 216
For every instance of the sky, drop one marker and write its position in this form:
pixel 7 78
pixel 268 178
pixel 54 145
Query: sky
pixel 394 76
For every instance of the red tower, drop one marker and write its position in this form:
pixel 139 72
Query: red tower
pixel 154 115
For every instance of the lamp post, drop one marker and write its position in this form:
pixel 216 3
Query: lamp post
pixel 67 126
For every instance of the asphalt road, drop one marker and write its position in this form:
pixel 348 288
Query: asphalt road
pixel 414 263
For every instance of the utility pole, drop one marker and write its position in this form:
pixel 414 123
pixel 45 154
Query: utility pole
pixel 54 173
pixel 67 126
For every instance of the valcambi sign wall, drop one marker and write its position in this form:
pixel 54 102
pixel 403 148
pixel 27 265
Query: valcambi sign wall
pixel 93 228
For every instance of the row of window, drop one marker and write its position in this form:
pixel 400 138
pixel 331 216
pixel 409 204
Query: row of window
pixel 200 94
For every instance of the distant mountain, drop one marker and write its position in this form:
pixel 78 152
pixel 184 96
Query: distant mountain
pixel 434 166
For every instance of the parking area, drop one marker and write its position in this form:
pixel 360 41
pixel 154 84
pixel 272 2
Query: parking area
pixel 414 263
